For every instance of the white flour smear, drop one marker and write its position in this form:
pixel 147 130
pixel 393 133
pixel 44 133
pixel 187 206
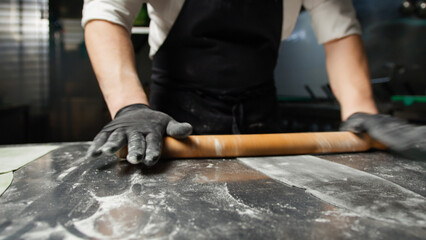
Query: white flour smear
pixel 360 192
pixel 65 173
pixel 147 215
pixel 126 216
pixel 44 231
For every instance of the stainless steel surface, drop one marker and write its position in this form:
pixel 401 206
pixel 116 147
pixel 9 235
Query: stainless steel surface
pixel 62 195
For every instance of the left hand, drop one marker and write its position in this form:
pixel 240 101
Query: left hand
pixel 399 136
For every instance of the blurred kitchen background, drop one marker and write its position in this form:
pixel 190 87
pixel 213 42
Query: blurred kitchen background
pixel 48 91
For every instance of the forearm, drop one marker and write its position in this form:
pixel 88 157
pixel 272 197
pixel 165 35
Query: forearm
pixel 112 56
pixel 349 75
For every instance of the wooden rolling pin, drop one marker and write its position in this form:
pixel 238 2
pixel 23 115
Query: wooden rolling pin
pixel 213 146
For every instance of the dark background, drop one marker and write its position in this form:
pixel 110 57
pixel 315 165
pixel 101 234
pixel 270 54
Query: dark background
pixel 48 91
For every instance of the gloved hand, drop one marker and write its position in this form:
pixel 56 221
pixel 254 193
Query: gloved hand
pixel 142 129
pixel 406 139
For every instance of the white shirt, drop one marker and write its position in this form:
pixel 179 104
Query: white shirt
pixel 331 19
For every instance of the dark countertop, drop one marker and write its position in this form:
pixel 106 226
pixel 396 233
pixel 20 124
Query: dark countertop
pixel 64 196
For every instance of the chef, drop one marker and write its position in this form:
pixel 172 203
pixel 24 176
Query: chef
pixel 213 65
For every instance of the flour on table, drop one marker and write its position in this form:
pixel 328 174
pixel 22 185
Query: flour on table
pixel 357 191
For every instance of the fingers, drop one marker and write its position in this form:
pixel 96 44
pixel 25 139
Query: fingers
pixel 408 141
pixel 154 145
pixel 115 141
pixel 178 130
pixel 140 149
pixel 136 147
pixel 99 141
pixel 146 150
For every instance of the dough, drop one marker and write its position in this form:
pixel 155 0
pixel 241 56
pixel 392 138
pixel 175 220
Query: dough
pixel 5 181
pixel 12 158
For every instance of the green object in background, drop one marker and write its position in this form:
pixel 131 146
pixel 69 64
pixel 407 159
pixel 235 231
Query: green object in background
pixel 408 100
pixel 142 19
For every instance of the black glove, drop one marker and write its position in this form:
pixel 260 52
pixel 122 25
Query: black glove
pixel 399 136
pixel 142 129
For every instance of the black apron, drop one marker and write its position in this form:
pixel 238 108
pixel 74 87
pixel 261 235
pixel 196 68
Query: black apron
pixel 215 69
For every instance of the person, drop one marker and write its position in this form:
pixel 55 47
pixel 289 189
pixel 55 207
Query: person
pixel 213 63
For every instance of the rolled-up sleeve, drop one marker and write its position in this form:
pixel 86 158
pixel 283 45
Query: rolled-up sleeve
pixel 332 19
pixel 122 12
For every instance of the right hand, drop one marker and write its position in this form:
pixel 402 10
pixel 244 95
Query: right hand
pixel 398 135
pixel 142 129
